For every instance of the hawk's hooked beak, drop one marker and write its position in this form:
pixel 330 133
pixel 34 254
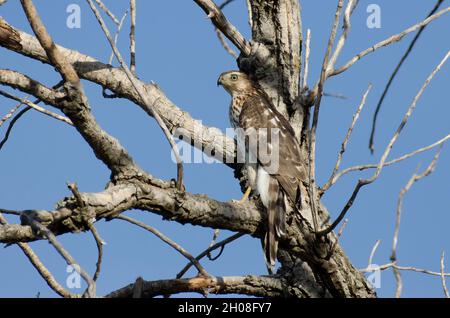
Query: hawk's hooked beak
pixel 219 81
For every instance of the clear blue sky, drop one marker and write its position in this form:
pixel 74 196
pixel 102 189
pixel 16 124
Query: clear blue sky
pixel 178 49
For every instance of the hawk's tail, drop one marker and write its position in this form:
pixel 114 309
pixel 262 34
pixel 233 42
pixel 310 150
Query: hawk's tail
pixel 276 225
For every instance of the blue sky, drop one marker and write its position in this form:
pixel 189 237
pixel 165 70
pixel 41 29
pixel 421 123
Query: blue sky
pixel 178 49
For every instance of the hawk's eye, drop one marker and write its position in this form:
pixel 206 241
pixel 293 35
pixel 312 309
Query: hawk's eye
pixel 234 77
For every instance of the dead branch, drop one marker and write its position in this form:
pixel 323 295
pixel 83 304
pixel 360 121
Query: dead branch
pixel 208 139
pixel 37 107
pixel 264 286
pixel 394 74
pixel 168 241
pixel 306 64
pixel 391 162
pixel 346 139
pixel 108 12
pixel 415 177
pixel 444 285
pixel 10 114
pixel 133 37
pixel 393 39
pixel 363 182
pixel 315 120
pixel 40 267
pixel 211 248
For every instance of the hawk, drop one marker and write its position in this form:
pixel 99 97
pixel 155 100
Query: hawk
pixel 274 175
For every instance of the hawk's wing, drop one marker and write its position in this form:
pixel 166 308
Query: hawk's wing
pixel 258 116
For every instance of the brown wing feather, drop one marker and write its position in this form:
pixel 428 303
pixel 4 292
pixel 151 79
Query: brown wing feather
pixel 257 112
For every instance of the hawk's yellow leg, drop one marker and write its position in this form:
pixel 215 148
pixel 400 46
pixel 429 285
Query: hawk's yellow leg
pixel 245 196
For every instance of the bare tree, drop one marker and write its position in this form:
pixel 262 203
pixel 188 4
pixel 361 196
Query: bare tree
pixel 312 261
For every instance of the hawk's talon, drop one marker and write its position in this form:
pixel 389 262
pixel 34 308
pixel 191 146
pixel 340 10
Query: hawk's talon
pixel 245 196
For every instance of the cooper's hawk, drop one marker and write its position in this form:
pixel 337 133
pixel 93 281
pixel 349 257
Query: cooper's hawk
pixel 274 164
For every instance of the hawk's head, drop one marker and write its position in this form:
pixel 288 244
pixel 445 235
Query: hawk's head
pixel 235 82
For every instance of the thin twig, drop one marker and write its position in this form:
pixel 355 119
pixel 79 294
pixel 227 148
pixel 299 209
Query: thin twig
pixel 225 44
pixel 394 74
pixel 394 161
pixel 312 140
pixel 133 37
pixel 444 285
pixel 363 182
pixel 220 34
pixel 11 125
pixel 335 95
pixel 220 21
pixel 372 253
pixel 307 53
pixel 116 36
pixel 224 4
pixel 40 267
pixel 393 39
pixel 404 268
pixel 220 244
pixel 351 5
pixel 166 240
pixel 36 107
pixel 250 14
pixel 107 11
pixel 213 241
pixel 141 92
pixel 11 212
pixel 338 236
pixel 65 69
pixel 111 56
pixel 346 139
pixel 10 114
pixel 98 240
pixel 90 292
pixel 399 282
pixel 414 178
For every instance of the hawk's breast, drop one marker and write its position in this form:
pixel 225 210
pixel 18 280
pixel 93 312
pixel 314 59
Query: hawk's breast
pixel 235 109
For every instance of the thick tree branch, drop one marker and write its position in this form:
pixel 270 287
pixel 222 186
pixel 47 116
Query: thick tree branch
pixel 262 286
pixel 105 147
pixel 208 139
pixel 161 198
